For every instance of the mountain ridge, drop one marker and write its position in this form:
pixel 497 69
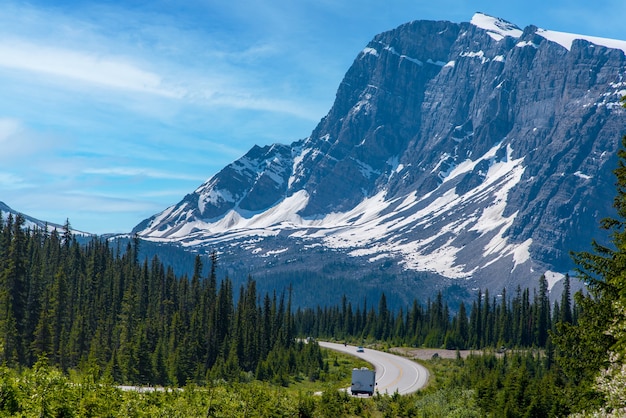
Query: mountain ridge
pixel 31 222
pixel 477 152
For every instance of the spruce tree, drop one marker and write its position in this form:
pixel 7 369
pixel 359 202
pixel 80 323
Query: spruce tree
pixel 566 301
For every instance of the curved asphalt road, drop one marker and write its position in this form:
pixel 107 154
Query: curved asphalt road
pixel 393 373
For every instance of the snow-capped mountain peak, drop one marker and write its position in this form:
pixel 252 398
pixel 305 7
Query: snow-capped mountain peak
pixel 496 28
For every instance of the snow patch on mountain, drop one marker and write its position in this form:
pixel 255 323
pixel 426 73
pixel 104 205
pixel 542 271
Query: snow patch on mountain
pixel 495 27
pixel 402 56
pixel 476 54
pixel 567 39
pixel 370 51
pixel 377 232
pixel 366 170
pixel 524 44
pixel 214 196
pixel 371 229
pixel 362 106
pixel 498 29
pixel 298 169
pixel 283 215
pixel 553 278
pixel 34 223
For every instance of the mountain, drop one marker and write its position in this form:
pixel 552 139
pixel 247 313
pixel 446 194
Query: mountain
pixel 456 156
pixel 30 222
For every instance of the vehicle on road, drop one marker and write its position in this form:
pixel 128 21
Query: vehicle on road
pixel 393 373
pixel 360 349
pixel 363 381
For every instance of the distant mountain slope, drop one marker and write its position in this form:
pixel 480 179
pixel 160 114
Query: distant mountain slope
pixel 31 222
pixel 475 154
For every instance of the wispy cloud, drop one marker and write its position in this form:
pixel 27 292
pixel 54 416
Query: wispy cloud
pixel 153 59
pixel 88 211
pixel 226 86
pixel 139 172
pixel 11 181
pixel 18 142
pixel 106 71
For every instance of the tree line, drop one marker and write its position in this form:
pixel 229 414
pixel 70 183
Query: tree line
pixel 523 320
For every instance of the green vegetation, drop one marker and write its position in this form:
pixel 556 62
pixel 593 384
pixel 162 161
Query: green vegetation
pixel 44 391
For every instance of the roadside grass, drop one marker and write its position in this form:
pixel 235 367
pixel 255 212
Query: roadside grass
pixel 337 374
pixel 444 394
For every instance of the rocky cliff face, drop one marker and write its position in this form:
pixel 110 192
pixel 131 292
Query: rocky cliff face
pixel 476 153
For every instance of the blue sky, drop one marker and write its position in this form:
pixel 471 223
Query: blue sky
pixel 111 111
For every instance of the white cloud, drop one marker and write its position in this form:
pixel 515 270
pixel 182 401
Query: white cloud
pixel 218 84
pixel 106 71
pixel 166 55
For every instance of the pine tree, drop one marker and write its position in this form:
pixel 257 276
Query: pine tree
pixel 542 313
pixel 476 331
pixel 462 326
pixel 382 324
pixel 566 302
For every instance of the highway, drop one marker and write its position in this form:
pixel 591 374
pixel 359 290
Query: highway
pixel 393 373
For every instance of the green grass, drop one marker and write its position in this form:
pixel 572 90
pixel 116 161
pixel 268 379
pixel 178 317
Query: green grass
pixel 337 375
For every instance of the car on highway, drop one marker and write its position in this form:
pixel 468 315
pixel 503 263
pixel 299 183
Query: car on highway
pixel 360 349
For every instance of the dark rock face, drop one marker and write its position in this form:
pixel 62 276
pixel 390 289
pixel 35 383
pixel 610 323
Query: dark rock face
pixel 473 151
